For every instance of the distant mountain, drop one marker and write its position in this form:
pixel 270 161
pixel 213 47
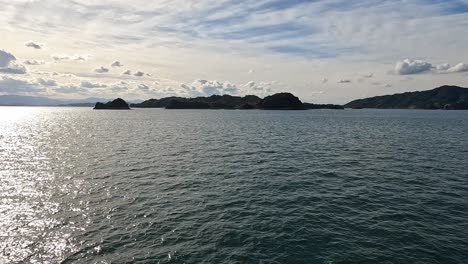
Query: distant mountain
pixel 21 100
pixel 444 97
pixel 79 105
pixel 280 101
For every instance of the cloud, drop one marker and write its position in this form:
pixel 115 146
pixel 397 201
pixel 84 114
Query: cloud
pixel 12 85
pixel 119 86
pixel 383 85
pixel 143 87
pixel 409 66
pixel 88 84
pixel 361 41
pixel 251 71
pixel 116 64
pixel 368 75
pixel 324 80
pixel 443 67
pixel 62 57
pixel 70 89
pixel 6 58
pixel 138 74
pixel 447 68
pixel 257 88
pixel 344 81
pixel 14 69
pixel 8 64
pixel 460 67
pixel 34 62
pixel 34 45
pixel 46 82
pixel 101 69
pixel 207 88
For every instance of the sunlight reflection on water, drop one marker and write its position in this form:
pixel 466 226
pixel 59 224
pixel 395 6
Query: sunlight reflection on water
pixel 29 225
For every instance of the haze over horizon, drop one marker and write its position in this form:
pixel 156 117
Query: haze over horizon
pixel 330 51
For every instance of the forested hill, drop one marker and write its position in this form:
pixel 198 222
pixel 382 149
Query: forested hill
pixel 444 97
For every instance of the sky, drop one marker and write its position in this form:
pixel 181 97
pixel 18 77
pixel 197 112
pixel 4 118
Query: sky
pixel 323 51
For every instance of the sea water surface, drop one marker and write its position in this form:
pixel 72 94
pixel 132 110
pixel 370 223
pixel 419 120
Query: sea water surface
pixel 215 186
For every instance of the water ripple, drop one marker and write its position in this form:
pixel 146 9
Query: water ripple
pixel 154 186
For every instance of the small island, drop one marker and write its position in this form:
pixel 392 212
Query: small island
pixel 117 104
pixel 279 101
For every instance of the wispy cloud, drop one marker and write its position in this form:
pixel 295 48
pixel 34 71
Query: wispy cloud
pixel 34 45
pixel 101 69
pixel 64 57
pixel 34 62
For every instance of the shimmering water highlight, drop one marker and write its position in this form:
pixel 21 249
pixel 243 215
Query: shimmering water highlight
pixel 183 186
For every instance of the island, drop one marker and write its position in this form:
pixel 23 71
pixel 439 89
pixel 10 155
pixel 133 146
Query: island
pixel 279 101
pixel 117 104
pixel 444 97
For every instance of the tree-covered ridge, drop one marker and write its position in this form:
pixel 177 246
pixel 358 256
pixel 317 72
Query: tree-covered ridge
pixel 279 101
pixel 444 97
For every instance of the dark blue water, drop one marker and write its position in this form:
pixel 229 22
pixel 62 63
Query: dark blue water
pixel 183 186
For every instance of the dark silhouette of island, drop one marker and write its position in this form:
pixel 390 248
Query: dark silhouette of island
pixel 279 101
pixel 444 97
pixel 117 104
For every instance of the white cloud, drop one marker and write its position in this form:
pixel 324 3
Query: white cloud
pixel 101 69
pixel 12 86
pixel 136 74
pixel 344 81
pixel 409 66
pixel 63 57
pixel 460 67
pixel 116 64
pixel 261 89
pixel 8 64
pixel 120 86
pixel 34 62
pixel 6 58
pixel 207 88
pixel 46 82
pixel 443 67
pixel 447 68
pixel 88 84
pixel 70 89
pixel 34 45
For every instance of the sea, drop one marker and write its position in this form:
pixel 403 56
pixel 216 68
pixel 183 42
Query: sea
pixel 233 186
